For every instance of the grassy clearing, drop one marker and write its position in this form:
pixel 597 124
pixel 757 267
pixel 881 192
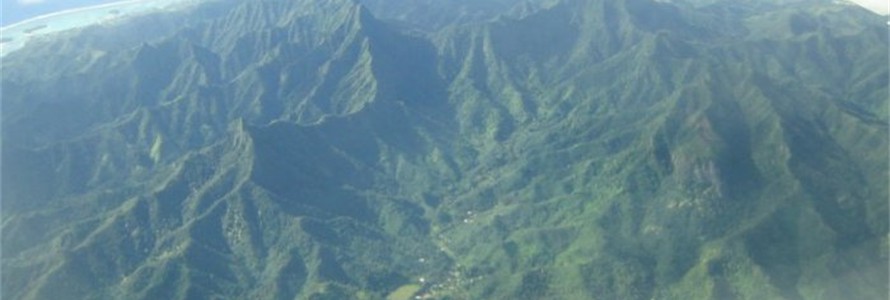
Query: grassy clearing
pixel 404 292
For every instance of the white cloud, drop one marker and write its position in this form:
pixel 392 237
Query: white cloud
pixel 30 2
pixel 878 6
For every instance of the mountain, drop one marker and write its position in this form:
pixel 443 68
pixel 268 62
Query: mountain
pixel 566 149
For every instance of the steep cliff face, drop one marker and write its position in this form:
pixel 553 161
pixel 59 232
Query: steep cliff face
pixel 573 149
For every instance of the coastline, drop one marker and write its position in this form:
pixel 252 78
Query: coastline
pixel 16 35
pixel 69 11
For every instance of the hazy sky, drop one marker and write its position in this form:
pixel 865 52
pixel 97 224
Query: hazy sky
pixel 879 6
pixel 12 11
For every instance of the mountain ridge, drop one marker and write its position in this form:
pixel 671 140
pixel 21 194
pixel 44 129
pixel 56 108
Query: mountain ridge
pixel 335 158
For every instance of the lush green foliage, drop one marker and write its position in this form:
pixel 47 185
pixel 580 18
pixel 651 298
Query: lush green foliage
pixel 571 149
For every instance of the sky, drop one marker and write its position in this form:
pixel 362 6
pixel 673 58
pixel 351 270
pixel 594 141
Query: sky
pixel 12 11
pixel 879 6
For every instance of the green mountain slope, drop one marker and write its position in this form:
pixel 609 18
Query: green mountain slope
pixel 573 149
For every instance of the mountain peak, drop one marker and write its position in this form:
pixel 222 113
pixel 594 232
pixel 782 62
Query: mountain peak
pixel 565 149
